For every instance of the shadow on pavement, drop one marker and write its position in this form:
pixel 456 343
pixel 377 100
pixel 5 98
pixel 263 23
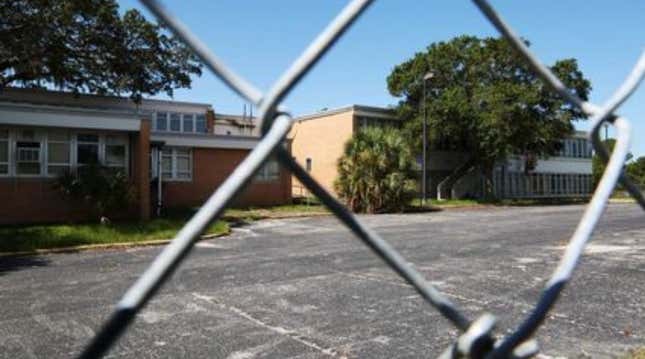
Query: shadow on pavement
pixel 10 264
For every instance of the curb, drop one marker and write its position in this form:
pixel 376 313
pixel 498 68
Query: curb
pixel 88 247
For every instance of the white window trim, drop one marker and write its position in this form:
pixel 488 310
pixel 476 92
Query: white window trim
pixel 42 137
pixel 68 164
pixel 263 175
pixel 155 122
pixel 100 144
pixel 14 154
pixel 174 173
pixel 126 143
pixel 192 117
pixel 8 162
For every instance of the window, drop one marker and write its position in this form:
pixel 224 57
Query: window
pixel 308 165
pixel 200 124
pixel 28 153
pixel 4 152
pixel 59 152
pixel 87 149
pixel 188 123
pixel 183 163
pixel 162 121
pixel 52 152
pixel 269 172
pixel 116 152
pixel 166 163
pixel 176 164
pixel 175 124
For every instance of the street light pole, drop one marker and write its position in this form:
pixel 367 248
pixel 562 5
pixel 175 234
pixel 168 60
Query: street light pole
pixel 426 77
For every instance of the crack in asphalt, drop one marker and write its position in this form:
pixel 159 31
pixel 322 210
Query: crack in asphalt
pixel 291 334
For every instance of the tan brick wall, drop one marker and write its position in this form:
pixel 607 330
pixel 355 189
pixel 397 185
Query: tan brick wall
pixel 210 168
pixel 322 139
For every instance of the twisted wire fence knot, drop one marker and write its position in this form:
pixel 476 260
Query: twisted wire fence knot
pixel 477 340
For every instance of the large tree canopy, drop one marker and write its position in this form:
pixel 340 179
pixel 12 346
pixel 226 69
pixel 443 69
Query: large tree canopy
pixel 636 171
pixel 86 46
pixel 598 165
pixel 484 100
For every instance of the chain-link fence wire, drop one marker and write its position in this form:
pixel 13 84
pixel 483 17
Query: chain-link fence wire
pixel 477 340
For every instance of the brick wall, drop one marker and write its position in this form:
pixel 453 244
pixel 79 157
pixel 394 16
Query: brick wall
pixel 25 200
pixel 35 200
pixel 141 171
pixel 210 169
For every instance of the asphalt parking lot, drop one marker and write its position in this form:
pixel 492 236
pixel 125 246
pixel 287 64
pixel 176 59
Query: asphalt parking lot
pixel 305 288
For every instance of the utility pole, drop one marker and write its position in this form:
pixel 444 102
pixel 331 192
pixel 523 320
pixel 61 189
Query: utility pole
pixel 424 182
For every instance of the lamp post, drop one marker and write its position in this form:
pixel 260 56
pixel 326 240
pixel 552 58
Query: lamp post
pixel 426 78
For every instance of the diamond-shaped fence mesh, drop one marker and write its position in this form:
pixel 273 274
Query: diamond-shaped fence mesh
pixel 477 339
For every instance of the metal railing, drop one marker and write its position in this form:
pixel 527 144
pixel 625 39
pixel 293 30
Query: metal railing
pixel 477 339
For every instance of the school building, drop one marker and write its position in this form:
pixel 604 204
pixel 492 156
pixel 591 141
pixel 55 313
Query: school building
pixel 317 142
pixel 176 153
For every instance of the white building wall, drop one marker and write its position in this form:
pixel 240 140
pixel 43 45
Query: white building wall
pixel 564 165
pixel 552 165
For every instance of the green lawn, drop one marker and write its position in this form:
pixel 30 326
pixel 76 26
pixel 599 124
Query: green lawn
pixel 416 203
pixel 282 211
pixel 29 238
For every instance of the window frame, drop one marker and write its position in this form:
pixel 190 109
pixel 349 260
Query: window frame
pixel 42 137
pixel 174 116
pixel 267 174
pixel 198 117
pixel 9 152
pixel 157 118
pixel 173 156
pixel 122 140
pixel 70 163
pixel 192 118
pixel 38 138
pixel 77 142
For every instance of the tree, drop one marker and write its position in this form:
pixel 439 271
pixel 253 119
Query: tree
pixel 484 100
pixel 376 172
pixel 636 171
pixel 105 190
pixel 86 46
pixel 598 165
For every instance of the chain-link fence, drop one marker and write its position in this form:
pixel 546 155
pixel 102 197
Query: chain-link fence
pixel 477 339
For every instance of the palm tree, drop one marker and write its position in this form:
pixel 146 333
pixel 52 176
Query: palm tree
pixel 376 171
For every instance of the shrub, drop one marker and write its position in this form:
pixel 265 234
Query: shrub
pixel 106 190
pixel 376 172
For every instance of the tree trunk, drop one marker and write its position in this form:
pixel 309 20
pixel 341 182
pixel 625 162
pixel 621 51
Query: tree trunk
pixel 489 194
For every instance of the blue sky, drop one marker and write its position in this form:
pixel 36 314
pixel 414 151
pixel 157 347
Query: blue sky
pixel 260 38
